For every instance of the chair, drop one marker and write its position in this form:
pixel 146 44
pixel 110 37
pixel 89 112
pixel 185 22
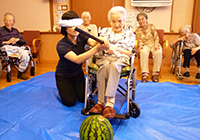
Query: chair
pixel 161 41
pixel 34 42
pixel 7 60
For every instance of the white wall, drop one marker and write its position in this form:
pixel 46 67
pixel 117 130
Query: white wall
pixel 30 14
pixel 162 17
pixel 182 13
pixel 35 14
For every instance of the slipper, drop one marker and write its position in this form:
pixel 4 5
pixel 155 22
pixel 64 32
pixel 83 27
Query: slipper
pixel 97 109
pixel 109 112
pixel 155 78
pixel 144 78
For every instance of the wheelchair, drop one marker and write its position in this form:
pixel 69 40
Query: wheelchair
pixel 8 60
pixel 176 60
pixel 129 72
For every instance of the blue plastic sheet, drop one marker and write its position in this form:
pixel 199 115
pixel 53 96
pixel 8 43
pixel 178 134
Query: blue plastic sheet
pixel 32 110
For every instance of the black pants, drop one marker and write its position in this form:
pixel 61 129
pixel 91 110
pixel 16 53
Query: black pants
pixel 188 56
pixel 71 90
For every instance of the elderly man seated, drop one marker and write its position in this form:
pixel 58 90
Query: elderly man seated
pixel 12 40
pixel 191 48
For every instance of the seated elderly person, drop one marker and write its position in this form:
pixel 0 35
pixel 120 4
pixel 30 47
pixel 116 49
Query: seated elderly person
pixel 87 26
pixel 12 40
pixel 111 62
pixel 148 41
pixel 191 48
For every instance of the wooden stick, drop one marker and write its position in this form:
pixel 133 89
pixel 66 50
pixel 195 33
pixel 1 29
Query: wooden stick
pixel 88 35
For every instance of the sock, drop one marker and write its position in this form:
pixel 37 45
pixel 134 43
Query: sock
pixel 155 73
pixel 187 70
pixel 145 73
pixel 100 103
pixel 110 101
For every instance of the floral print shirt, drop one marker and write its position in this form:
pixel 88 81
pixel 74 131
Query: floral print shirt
pixel 124 41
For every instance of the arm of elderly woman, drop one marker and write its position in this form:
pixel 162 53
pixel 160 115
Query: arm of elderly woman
pixel 113 50
pixel 156 38
pixel 197 42
pixel 194 50
pixel 176 41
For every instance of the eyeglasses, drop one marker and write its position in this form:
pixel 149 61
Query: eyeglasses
pixel 8 20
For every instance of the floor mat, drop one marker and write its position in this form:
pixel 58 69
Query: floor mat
pixel 33 110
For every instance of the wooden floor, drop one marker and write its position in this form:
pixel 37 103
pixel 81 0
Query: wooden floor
pixel 46 67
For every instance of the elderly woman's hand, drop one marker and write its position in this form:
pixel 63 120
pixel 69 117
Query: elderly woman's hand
pixel 182 38
pixel 156 47
pixel 105 46
pixel 194 50
pixel 139 49
pixel 112 50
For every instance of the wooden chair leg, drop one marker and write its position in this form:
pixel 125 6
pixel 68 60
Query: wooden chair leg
pixel 160 74
pixel 138 68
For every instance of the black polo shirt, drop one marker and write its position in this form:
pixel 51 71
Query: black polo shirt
pixel 66 67
pixel 6 34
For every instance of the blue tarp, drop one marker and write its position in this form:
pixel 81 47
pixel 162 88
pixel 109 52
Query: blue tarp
pixel 32 110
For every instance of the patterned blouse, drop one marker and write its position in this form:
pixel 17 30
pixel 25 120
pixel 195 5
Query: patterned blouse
pixel 124 41
pixel 192 42
pixel 147 36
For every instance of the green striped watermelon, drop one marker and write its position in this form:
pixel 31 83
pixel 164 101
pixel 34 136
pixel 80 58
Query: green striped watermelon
pixel 96 127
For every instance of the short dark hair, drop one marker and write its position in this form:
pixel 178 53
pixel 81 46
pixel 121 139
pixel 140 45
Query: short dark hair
pixel 66 16
pixel 142 14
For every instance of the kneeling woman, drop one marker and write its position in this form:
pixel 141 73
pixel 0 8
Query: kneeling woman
pixel 69 75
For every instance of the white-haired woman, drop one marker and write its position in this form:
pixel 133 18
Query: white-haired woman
pixel 191 48
pixel 148 41
pixel 87 26
pixel 69 75
pixel 110 62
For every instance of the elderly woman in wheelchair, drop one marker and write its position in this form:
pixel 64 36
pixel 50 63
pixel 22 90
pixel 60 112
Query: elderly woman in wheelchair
pixel 112 61
pixel 191 48
pixel 10 44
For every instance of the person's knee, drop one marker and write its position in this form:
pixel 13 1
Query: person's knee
pixel 158 54
pixel 114 69
pixel 69 103
pixel 67 100
pixel 81 100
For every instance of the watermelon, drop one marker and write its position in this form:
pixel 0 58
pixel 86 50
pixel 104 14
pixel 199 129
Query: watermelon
pixel 96 127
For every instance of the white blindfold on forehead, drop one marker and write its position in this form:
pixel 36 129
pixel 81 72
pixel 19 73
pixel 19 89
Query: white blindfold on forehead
pixel 71 22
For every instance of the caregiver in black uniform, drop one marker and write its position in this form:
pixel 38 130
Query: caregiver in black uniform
pixel 69 75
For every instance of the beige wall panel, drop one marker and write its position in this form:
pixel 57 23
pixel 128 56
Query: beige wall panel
pixel 48 48
pixel 160 16
pixel 182 13
pixel 30 14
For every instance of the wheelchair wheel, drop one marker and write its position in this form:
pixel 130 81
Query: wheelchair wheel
pixel 8 76
pixel 173 67
pixel 32 71
pixel 134 84
pixel 134 110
